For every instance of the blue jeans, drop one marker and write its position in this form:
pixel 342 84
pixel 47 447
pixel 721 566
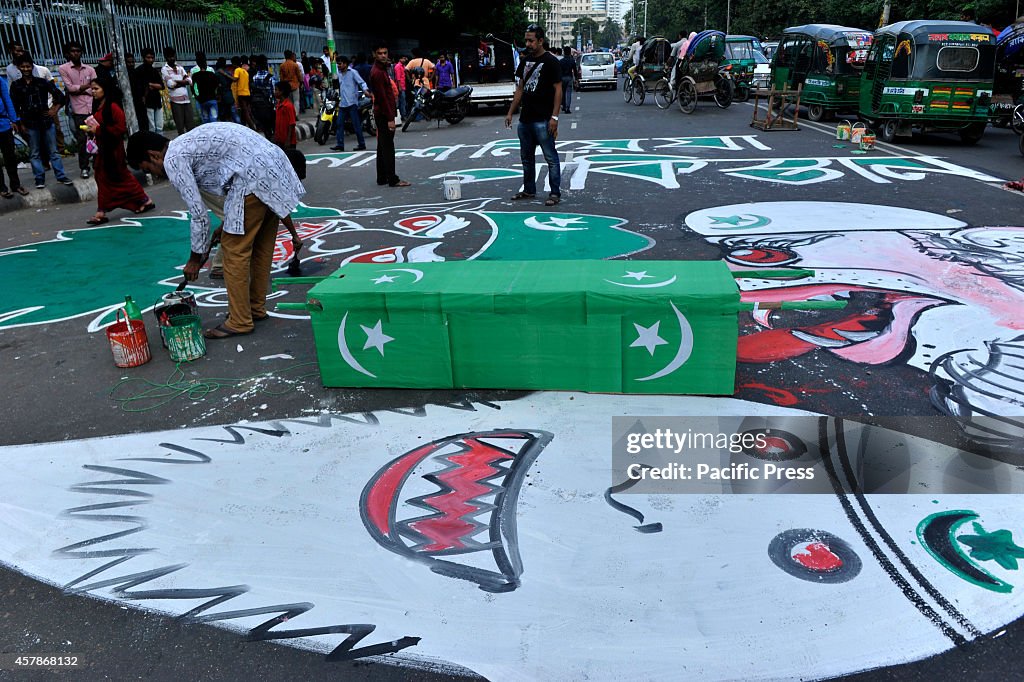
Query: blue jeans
pixel 567 94
pixel 531 135
pixel 49 137
pixel 351 112
pixel 208 111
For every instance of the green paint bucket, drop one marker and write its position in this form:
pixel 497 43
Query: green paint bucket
pixel 184 337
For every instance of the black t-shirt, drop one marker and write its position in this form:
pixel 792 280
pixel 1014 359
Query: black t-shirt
pixel 206 85
pixel 146 74
pixel 568 65
pixel 540 76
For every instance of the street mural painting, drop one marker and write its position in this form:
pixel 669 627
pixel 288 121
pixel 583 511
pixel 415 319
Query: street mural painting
pixel 661 161
pixel 814 555
pixel 971 556
pixel 481 535
pixel 664 170
pixel 93 284
pixel 99 266
pixel 509 147
pixel 477 477
pixel 923 290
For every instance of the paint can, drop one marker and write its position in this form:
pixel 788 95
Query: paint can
pixel 186 297
pixel 867 141
pixel 128 341
pixel 857 132
pixel 184 336
pixel 452 187
pixel 843 131
pixel 164 311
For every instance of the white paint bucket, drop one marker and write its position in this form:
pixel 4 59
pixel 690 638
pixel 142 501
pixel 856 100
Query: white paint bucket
pixel 857 132
pixel 452 187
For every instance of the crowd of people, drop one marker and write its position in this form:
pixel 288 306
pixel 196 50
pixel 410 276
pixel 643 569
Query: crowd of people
pixel 239 162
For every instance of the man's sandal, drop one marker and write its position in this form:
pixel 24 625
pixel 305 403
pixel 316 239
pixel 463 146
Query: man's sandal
pixel 552 200
pixel 222 332
pixel 523 195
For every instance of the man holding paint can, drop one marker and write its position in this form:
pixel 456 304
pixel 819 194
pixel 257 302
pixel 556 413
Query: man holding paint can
pixel 259 188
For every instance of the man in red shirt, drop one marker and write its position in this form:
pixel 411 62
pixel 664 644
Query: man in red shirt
pixel 385 93
pixel 284 119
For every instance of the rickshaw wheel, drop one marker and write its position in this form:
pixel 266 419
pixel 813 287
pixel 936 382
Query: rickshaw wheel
pixel 973 133
pixel 663 94
pixel 887 130
pixel 639 92
pixel 742 92
pixel 816 112
pixel 1017 119
pixel 627 89
pixel 723 92
pixel 687 97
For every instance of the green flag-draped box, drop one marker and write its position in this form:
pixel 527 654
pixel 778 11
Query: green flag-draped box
pixel 612 326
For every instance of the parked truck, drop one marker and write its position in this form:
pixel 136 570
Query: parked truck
pixel 488 64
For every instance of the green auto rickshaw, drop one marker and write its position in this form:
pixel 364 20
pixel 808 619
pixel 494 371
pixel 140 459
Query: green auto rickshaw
pixel 929 75
pixel 749 65
pixel 827 60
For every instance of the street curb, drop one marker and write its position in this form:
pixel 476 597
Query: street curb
pixel 55 193
pixel 85 190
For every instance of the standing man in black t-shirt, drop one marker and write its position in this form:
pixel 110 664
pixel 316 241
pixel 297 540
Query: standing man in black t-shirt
pixel 539 89
pixel 570 72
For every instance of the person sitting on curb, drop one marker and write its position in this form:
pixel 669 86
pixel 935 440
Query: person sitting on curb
pixel 259 187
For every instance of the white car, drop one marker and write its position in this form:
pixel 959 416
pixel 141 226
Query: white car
pixel 597 69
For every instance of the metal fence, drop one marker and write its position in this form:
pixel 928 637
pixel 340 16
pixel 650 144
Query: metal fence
pixel 44 26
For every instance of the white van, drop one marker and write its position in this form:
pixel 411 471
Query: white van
pixel 597 69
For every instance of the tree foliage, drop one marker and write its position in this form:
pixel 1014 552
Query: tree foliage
pixel 760 18
pixel 611 34
pixel 585 27
pixel 245 12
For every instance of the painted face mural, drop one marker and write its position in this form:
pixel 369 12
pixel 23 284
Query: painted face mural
pixel 492 536
pixel 924 290
pixel 402 234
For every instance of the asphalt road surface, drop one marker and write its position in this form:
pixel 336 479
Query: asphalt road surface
pixel 650 185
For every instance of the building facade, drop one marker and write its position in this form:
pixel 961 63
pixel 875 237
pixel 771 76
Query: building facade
pixel 560 15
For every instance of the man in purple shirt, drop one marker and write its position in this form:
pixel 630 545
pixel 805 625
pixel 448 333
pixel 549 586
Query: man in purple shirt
pixel 444 72
pixel 77 77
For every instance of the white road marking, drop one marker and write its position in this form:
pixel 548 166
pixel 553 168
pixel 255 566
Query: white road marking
pixel 573 126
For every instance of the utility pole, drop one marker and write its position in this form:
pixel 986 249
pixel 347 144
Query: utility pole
pixel 728 15
pixel 645 18
pixel 123 81
pixel 886 9
pixel 330 36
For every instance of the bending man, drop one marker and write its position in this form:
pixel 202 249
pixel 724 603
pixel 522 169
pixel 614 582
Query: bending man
pixel 259 188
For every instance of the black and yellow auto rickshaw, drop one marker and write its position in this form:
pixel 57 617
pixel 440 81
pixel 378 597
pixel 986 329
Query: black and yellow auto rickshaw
pixel 827 60
pixel 1008 100
pixel 929 75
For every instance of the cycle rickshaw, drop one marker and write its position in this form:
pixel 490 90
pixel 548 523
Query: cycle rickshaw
pixel 700 72
pixel 642 79
pixel 1008 98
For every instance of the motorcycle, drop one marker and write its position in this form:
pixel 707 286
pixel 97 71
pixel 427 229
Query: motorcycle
pixel 327 122
pixel 432 105
pixel 365 116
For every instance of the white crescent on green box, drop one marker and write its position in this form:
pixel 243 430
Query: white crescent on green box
pixel 610 326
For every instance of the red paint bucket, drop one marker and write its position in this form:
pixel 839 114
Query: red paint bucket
pixel 128 341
